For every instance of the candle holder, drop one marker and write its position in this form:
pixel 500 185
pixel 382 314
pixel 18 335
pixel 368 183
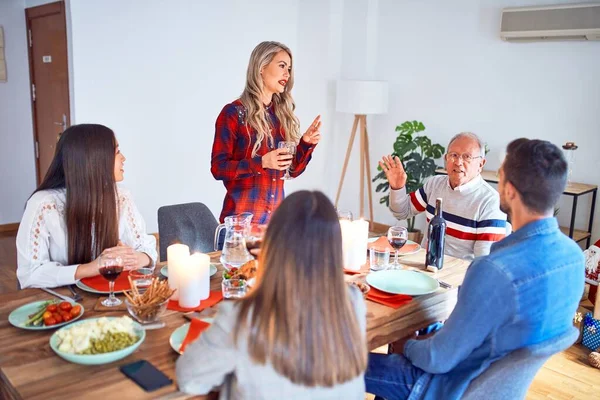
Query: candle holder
pixel 569 150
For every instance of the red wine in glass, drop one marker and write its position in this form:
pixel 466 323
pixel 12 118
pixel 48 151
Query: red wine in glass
pixel 110 267
pixel 111 272
pixel 397 242
pixel 397 237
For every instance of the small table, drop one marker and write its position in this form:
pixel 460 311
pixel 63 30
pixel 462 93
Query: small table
pixel 30 369
pixel 573 189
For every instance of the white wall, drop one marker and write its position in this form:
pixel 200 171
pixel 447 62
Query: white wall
pixel 17 165
pixel 161 85
pixel 448 68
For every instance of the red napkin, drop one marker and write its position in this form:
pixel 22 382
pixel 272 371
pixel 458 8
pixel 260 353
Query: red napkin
pixel 197 326
pixel 214 297
pixel 388 299
pixel 382 243
pixel 100 284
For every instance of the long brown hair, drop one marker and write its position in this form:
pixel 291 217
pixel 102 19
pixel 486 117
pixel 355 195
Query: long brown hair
pixel 84 165
pixel 284 104
pixel 300 318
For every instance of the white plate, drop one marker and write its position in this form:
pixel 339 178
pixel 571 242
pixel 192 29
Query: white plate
pixel 371 240
pixel 412 283
pixel 179 334
pixel 165 270
pixel 86 288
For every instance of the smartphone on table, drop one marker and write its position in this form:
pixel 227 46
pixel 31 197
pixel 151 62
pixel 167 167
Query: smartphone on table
pixel 146 375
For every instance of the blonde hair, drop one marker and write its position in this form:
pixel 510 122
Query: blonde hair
pixel 300 318
pixel 283 103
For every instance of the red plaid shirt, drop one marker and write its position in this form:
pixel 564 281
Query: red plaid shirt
pixel 250 187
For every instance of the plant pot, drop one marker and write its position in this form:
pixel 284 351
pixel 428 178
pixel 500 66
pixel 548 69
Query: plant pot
pixel 415 236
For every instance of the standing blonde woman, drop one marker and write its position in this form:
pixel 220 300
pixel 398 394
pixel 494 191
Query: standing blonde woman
pixel 300 334
pixel 245 154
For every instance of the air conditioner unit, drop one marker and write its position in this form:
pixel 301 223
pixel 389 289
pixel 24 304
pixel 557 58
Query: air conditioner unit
pixel 551 23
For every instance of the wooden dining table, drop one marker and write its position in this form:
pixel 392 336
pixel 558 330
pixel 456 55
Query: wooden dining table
pixel 29 369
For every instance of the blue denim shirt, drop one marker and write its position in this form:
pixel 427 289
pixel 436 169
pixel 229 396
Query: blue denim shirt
pixel 524 292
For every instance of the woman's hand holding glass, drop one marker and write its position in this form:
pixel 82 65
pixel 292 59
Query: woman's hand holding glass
pixel 279 159
pixel 291 150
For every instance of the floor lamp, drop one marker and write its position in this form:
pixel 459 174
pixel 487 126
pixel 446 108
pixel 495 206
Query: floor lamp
pixel 361 98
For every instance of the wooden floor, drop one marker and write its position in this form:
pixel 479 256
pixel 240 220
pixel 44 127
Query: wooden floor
pixel 565 376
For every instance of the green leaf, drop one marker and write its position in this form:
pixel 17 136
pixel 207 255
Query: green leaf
pixel 382 187
pixel 403 148
pixel 437 151
pixel 380 175
pixel 428 168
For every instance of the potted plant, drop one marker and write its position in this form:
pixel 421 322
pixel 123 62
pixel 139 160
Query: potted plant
pixel 417 154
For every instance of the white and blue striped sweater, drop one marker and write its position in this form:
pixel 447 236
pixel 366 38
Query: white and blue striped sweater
pixel 472 213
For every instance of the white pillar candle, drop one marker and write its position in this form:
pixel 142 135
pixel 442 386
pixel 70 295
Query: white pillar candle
pixel 348 236
pixel 361 238
pixel 177 254
pixel 189 283
pixel 202 263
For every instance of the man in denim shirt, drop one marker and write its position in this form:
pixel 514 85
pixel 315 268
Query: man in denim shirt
pixel 524 292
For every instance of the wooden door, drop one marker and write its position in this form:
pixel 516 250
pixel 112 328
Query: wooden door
pixel 48 69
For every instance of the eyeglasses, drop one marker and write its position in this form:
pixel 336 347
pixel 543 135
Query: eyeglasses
pixel 467 158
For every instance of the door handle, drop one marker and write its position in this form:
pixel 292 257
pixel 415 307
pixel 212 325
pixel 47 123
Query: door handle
pixel 62 124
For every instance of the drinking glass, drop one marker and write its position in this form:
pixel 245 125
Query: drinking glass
pixel 397 237
pixel 291 147
pixel 142 278
pixel 345 214
pixel 110 267
pixel 233 288
pixel 379 259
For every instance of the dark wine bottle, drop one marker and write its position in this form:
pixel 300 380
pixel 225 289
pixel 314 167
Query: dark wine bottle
pixel 436 238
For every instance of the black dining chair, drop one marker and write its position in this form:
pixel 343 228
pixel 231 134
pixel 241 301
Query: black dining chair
pixel 192 224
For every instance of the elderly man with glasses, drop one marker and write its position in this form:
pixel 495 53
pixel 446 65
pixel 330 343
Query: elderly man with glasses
pixel 471 205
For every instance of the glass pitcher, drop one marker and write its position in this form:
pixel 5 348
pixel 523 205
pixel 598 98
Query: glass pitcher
pixel 234 253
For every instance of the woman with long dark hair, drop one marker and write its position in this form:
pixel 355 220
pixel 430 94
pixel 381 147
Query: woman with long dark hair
pixel 245 153
pixel 78 212
pixel 300 334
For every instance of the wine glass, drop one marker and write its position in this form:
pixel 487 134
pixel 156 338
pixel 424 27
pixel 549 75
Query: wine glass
pixel 397 237
pixel 291 147
pixel 110 267
pixel 345 214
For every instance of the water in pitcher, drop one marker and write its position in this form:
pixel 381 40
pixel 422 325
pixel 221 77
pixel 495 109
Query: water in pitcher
pixel 235 252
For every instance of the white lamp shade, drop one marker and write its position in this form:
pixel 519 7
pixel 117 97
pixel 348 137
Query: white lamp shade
pixel 362 97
